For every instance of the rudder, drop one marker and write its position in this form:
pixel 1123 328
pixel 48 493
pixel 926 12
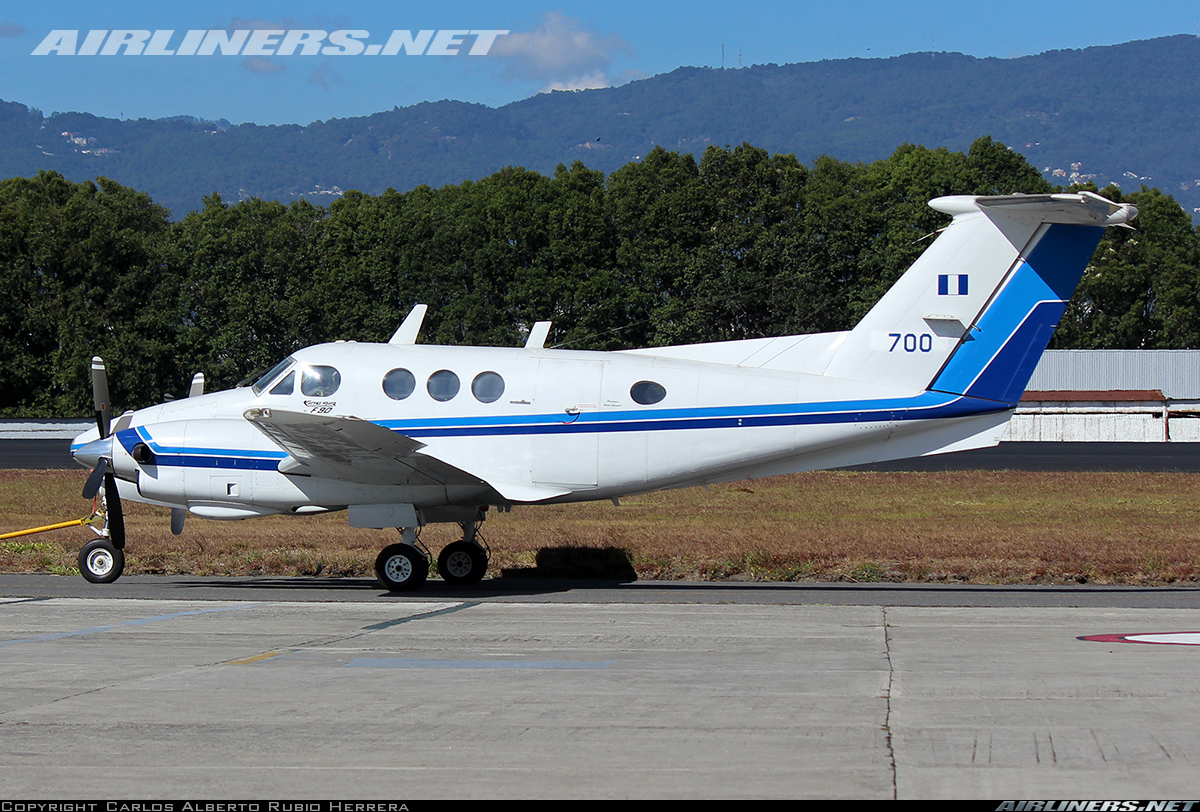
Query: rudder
pixel 1014 329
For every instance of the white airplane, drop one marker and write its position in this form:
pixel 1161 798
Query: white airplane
pixel 402 435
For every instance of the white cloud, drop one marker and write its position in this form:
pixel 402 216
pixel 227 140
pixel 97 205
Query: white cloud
pixel 591 81
pixel 560 54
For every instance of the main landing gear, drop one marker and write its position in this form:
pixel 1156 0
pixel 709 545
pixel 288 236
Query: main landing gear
pixel 404 567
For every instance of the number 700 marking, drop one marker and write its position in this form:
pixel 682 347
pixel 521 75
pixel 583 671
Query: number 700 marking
pixel 912 342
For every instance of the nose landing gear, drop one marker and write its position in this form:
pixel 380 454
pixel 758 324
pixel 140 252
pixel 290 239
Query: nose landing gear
pixel 101 562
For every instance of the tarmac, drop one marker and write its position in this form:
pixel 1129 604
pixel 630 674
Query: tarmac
pixel 330 688
pixel 301 690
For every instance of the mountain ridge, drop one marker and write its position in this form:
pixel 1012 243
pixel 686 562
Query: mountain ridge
pixel 1122 113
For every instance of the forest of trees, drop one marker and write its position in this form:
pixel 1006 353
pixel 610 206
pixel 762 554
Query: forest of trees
pixel 668 250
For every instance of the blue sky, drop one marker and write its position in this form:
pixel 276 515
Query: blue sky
pixel 552 45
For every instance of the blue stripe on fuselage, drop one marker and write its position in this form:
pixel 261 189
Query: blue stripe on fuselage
pixel 925 406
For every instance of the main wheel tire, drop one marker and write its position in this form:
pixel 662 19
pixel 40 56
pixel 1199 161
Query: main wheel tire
pixel 101 562
pixel 462 562
pixel 401 567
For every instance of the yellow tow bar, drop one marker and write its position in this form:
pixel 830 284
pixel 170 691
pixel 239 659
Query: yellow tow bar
pixel 73 523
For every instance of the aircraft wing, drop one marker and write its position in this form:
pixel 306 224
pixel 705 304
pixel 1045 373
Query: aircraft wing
pixel 353 450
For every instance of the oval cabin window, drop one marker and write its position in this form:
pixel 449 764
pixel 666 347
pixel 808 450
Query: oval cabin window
pixel 487 387
pixel 442 385
pixel 647 392
pixel 399 384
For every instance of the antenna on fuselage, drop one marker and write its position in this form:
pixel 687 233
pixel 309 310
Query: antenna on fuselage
pixel 407 332
pixel 537 335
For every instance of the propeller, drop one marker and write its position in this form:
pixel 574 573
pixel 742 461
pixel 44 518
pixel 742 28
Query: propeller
pixel 95 479
pixel 114 519
pixel 102 480
pixel 100 395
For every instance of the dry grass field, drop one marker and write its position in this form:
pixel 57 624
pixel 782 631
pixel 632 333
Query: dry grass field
pixel 980 527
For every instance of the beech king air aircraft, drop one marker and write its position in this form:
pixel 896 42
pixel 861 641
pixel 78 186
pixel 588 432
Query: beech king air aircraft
pixel 402 435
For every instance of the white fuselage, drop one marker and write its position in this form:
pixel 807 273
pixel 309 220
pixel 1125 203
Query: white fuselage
pixel 566 427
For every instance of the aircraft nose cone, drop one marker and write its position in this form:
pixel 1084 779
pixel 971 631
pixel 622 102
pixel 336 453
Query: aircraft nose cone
pixel 89 454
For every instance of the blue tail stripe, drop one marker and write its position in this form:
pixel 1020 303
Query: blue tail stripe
pixel 1005 378
pixel 998 360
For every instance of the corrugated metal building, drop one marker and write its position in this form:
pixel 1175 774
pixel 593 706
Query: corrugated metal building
pixel 1111 396
pixel 1176 373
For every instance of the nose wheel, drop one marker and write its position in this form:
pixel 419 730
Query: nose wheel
pixel 101 562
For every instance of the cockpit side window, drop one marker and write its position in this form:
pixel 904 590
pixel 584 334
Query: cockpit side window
pixel 285 386
pixel 320 382
pixel 276 371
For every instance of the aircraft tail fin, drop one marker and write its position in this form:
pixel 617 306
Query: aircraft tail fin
pixel 974 313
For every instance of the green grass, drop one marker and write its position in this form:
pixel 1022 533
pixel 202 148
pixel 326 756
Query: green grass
pixel 975 526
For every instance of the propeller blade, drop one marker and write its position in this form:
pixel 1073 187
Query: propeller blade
pixel 112 504
pixel 177 517
pixel 100 395
pixel 95 478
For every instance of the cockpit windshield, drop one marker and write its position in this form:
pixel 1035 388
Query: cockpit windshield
pixel 262 382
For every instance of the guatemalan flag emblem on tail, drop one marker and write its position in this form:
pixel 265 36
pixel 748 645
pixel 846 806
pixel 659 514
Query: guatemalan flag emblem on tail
pixel 952 284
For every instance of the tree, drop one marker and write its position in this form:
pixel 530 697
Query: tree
pixel 1140 289
pixel 84 275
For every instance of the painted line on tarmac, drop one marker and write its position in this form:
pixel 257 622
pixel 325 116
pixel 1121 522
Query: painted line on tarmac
pixel 1154 638
pixel 257 658
pixel 140 622
pixel 410 662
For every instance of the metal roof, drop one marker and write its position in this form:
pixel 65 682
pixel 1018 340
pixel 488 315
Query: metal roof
pixel 1175 372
